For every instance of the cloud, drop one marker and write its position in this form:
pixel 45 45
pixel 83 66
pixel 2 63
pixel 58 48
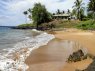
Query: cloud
pixel 51 5
pixel 12 10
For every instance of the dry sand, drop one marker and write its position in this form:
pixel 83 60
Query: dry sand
pixel 85 38
pixel 52 57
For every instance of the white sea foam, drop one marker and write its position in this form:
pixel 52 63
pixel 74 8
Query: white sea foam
pixel 9 64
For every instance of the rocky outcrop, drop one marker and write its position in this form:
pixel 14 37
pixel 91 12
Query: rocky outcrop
pixel 77 56
pixel 91 67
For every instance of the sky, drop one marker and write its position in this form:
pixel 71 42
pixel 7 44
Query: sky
pixel 11 11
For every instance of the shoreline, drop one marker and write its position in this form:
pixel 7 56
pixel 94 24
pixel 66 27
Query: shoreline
pixel 85 38
pixel 73 35
pixel 48 58
pixel 14 59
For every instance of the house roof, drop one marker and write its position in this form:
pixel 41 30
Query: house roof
pixel 61 15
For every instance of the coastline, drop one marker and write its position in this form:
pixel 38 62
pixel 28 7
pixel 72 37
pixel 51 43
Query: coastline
pixel 37 61
pixel 49 57
pixel 85 38
pixel 14 58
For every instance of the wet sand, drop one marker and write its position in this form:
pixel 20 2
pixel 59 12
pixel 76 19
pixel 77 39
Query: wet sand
pixel 53 56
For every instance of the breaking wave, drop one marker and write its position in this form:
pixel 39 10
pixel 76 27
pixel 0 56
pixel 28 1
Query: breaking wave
pixel 14 58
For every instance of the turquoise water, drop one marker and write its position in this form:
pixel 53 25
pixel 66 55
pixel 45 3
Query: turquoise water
pixel 9 37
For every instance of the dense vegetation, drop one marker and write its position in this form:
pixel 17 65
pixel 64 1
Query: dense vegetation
pixel 26 26
pixel 58 24
pixel 87 25
pixel 78 9
pixel 43 20
pixel 39 14
pixel 91 8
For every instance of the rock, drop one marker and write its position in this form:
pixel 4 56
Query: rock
pixel 77 56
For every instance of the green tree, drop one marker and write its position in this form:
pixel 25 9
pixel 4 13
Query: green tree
pixel 91 7
pixel 82 14
pixel 90 15
pixel 79 9
pixel 25 13
pixel 40 14
pixel 73 12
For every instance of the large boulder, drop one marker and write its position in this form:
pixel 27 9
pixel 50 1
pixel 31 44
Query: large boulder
pixel 77 56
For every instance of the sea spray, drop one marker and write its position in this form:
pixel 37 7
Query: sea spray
pixel 7 63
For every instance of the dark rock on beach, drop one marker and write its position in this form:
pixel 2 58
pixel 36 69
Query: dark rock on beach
pixel 77 56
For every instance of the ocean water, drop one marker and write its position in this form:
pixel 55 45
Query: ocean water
pixel 16 46
pixel 9 37
pixel 14 42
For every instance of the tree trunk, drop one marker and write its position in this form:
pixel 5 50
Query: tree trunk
pixel 78 15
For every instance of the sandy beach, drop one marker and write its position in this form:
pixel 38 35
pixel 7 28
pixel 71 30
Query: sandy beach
pixel 48 58
pixel 53 56
pixel 85 38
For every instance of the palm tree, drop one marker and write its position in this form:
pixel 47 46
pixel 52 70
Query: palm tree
pixel 25 13
pixel 53 13
pixel 81 14
pixel 91 7
pixel 68 12
pixel 78 7
pixel 73 12
pixel 58 11
pixel 63 12
pixel 30 17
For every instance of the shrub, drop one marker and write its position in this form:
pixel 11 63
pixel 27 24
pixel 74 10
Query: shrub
pixel 87 25
pixel 26 26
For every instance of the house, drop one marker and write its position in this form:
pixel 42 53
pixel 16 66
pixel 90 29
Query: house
pixel 64 16
pixel 61 16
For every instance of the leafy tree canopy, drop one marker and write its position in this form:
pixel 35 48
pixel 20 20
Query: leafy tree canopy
pixel 78 9
pixel 40 14
pixel 91 7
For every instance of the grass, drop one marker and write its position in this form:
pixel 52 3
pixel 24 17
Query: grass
pixel 60 24
pixel 26 26
pixel 86 25
pixel 65 23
